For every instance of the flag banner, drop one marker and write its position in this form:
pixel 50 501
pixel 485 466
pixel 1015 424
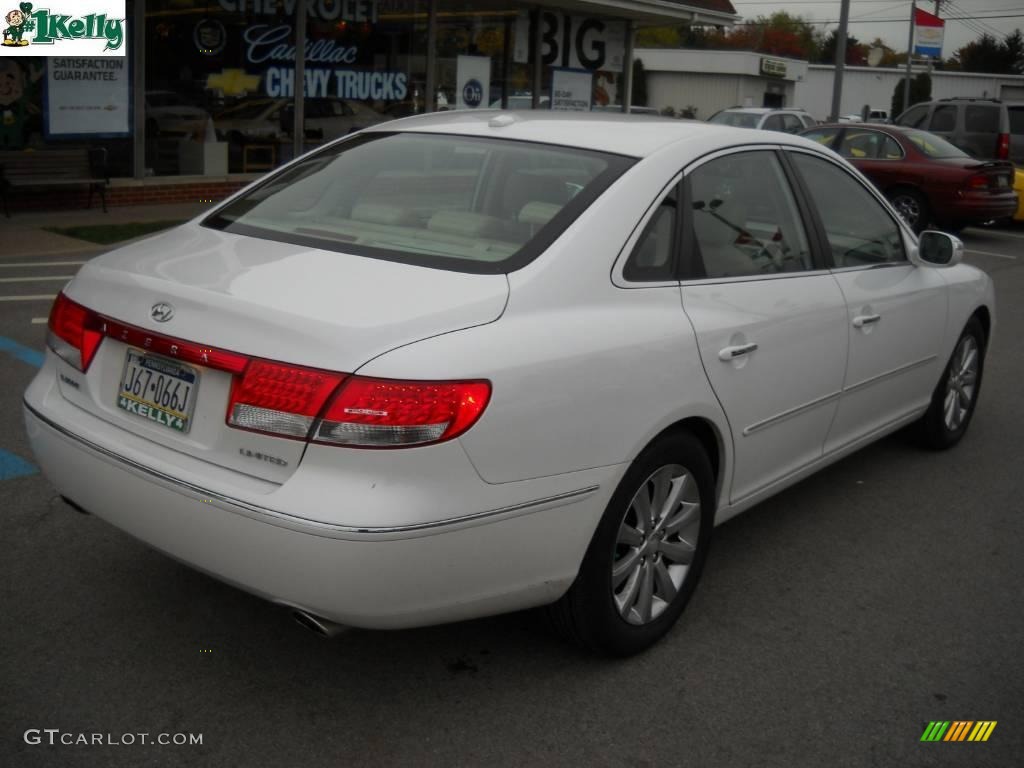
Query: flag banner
pixel 928 33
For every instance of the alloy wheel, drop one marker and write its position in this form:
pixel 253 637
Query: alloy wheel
pixel 656 544
pixel 908 208
pixel 961 385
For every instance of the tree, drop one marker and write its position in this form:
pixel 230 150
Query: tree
pixel 856 52
pixel 920 90
pixel 986 54
pixel 639 84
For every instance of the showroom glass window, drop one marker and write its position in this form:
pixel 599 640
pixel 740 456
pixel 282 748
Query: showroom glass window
pixel 224 73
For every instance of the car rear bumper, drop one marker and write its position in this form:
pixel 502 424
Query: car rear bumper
pixel 399 572
pixel 979 208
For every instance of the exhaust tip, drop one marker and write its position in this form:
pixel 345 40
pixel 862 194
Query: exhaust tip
pixel 318 625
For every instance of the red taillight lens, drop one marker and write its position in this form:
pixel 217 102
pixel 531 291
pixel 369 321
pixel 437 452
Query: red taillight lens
pixel 1003 146
pixel 977 181
pixel 280 399
pixel 74 332
pixel 385 413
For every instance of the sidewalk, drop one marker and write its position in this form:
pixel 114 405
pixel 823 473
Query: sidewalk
pixel 24 235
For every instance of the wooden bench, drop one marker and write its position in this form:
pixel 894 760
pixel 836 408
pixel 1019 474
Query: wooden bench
pixel 54 168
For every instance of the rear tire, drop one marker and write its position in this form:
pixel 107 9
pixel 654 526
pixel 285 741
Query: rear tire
pixel 647 554
pixel 911 206
pixel 956 394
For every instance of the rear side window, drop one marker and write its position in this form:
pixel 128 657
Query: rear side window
pixel 791 124
pixel 745 219
pixel 943 119
pixel 463 203
pixel 824 136
pixel 859 144
pixel 981 119
pixel 1016 119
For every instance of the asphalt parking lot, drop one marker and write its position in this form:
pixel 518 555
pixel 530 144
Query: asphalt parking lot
pixel 832 624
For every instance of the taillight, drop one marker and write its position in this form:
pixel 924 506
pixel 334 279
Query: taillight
pixel 74 333
pixel 386 413
pixel 977 181
pixel 1003 146
pixel 290 400
pixel 280 399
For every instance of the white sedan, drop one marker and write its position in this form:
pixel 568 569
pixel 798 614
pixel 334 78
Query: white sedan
pixel 467 363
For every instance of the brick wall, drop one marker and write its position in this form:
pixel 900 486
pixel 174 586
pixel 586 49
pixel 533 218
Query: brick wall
pixel 50 199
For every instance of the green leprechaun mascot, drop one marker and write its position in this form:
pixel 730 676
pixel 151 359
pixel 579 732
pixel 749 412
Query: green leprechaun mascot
pixel 20 23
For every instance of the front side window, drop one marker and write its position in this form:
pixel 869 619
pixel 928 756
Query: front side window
pixel 773 123
pixel 943 119
pixel 453 202
pixel 859 230
pixel 913 117
pixel 745 219
pixel 860 144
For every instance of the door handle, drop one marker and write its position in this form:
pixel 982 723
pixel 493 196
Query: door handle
pixel 731 353
pixel 861 320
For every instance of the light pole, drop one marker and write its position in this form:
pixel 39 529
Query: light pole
pixel 837 83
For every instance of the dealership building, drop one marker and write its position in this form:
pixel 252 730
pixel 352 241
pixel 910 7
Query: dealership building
pixel 206 98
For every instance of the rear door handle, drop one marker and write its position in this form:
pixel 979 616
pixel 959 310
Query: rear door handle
pixel 861 320
pixel 731 353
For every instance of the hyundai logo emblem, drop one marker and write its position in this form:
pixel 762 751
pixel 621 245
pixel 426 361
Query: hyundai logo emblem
pixel 162 312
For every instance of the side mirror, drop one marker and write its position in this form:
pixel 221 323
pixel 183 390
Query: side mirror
pixel 937 249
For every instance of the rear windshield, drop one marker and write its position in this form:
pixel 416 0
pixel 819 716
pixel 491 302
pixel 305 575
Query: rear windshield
pixel 932 145
pixel 736 119
pixel 453 202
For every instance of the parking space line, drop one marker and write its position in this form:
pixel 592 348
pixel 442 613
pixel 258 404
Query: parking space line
pixel 1000 233
pixel 31 264
pixel 35 279
pixel 14 466
pixel 990 253
pixel 21 352
pixel 40 320
pixel 33 297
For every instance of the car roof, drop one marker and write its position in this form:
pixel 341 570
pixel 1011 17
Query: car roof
pixel 765 110
pixel 631 135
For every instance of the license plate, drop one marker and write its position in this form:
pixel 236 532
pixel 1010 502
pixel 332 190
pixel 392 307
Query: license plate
pixel 158 389
pixel 1002 182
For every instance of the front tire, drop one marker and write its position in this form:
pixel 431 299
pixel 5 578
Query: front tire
pixel 647 554
pixel 956 395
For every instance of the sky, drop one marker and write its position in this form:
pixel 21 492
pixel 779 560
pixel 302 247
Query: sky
pixel 872 18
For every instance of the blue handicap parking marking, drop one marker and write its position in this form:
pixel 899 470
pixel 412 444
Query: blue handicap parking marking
pixel 21 352
pixel 14 466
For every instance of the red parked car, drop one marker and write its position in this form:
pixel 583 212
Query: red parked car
pixel 925 177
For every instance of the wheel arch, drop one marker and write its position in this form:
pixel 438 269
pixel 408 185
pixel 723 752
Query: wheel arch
pixel 710 438
pixel 985 318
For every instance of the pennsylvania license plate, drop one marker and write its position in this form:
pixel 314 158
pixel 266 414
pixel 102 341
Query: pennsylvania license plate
pixel 158 389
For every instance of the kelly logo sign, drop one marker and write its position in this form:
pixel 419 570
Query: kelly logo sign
pixel 92 29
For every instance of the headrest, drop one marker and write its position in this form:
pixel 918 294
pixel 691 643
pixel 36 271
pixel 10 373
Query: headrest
pixel 465 223
pixel 537 213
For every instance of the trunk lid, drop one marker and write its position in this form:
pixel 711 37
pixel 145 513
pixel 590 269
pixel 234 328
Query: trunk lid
pixel 260 298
